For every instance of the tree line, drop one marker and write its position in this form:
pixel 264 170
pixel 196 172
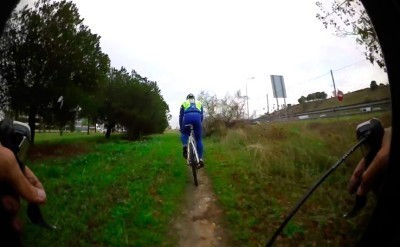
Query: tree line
pixel 312 97
pixel 52 67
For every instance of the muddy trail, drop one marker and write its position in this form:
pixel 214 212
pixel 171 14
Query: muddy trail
pixel 199 222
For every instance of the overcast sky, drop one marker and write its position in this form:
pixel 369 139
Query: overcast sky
pixel 217 45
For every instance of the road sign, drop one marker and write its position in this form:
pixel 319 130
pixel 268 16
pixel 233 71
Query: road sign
pixel 278 86
pixel 340 95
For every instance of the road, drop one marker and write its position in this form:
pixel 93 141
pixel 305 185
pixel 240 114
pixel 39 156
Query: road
pixel 383 105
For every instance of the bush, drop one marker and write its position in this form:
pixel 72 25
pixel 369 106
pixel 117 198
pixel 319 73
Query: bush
pixel 218 127
pixel 373 85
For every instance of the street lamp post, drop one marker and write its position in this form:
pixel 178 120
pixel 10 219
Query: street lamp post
pixel 247 98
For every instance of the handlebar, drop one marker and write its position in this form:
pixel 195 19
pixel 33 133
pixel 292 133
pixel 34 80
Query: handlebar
pixel 373 132
pixel 15 136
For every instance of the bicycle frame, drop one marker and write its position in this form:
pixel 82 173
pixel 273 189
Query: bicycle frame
pixel 192 142
pixel 192 155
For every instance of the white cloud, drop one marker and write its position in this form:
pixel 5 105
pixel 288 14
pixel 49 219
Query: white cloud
pixel 189 46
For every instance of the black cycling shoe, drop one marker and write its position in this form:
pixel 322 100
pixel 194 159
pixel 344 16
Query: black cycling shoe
pixel 201 164
pixel 184 151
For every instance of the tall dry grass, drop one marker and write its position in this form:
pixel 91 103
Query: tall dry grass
pixel 261 171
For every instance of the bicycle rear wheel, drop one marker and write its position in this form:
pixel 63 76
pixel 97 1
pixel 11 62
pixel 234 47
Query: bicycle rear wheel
pixel 193 163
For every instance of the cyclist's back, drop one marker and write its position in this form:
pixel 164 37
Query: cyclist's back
pixel 191 112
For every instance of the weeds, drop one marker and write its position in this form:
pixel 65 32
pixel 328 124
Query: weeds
pixel 268 169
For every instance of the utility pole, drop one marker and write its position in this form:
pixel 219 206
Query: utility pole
pixel 277 106
pixel 267 104
pixel 333 80
pixel 247 98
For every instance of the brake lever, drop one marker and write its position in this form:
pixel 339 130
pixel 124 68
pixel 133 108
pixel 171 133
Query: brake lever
pixel 12 133
pixel 372 130
pixel 36 217
pixel 33 211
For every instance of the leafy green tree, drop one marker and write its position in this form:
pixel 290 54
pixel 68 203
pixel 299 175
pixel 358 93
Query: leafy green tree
pixel 133 102
pixel 373 85
pixel 310 97
pixel 46 52
pixel 89 110
pixel 323 95
pixel 349 18
pixel 320 95
pixel 147 111
pixel 109 104
pixel 302 100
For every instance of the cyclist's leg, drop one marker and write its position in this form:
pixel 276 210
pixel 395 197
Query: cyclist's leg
pixel 185 132
pixel 184 138
pixel 197 135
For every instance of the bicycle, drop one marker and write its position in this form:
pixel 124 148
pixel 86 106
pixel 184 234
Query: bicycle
pixel 192 155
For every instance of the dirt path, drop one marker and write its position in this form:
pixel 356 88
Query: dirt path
pixel 199 223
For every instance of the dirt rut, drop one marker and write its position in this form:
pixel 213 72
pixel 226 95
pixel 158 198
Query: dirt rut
pixel 199 223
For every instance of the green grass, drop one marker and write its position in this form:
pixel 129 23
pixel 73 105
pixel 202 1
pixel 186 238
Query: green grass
pixel 119 194
pixel 350 98
pixel 68 137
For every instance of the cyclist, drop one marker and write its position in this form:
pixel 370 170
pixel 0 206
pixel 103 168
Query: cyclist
pixel 191 112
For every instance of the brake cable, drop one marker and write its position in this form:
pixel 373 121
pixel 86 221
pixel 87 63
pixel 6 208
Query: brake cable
pixel 369 132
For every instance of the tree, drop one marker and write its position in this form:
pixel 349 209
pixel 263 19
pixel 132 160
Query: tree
pixel 210 104
pixel 302 100
pixel 320 95
pixel 228 109
pixel 134 102
pixel 221 113
pixel 46 52
pixel 324 95
pixel 231 108
pixel 312 97
pixel 350 18
pixel 373 85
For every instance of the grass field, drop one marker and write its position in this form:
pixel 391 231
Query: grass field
pixel 119 193
pixel 350 98
pixel 260 172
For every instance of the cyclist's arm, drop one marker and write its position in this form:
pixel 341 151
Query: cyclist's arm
pixel 202 115
pixel 365 179
pixel 27 186
pixel 181 117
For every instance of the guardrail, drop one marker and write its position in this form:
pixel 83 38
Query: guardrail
pixel 382 105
